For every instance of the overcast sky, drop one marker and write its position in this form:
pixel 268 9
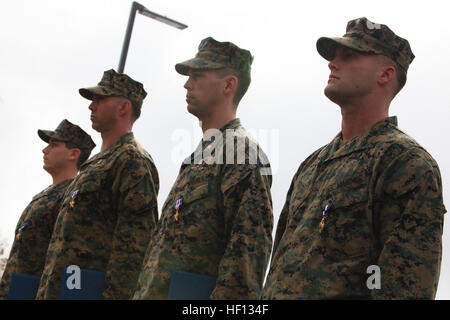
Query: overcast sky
pixel 50 49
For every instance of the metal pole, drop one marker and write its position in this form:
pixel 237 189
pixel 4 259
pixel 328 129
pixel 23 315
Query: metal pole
pixel 126 42
pixel 144 11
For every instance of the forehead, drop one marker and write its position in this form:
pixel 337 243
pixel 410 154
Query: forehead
pixel 340 49
pixel 202 73
pixel 97 98
pixel 51 140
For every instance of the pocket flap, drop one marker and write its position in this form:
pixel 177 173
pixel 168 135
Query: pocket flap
pixel 91 182
pixel 344 199
pixel 199 192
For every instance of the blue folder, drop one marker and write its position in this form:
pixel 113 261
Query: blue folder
pixel 23 287
pixel 190 286
pixel 91 288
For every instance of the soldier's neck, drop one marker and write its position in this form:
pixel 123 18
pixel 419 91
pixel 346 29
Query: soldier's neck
pixel 217 120
pixel 109 137
pixel 63 175
pixel 357 120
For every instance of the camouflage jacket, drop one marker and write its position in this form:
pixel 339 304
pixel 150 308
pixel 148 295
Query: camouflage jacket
pixel 382 198
pixel 223 227
pixel 106 220
pixel 33 233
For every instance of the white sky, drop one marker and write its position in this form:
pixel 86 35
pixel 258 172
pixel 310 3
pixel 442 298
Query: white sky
pixel 50 49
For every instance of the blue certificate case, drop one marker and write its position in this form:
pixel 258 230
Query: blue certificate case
pixel 23 287
pixel 190 286
pixel 92 286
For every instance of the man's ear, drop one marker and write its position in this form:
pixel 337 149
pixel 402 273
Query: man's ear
pixel 125 107
pixel 386 75
pixel 231 82
pixel 74 154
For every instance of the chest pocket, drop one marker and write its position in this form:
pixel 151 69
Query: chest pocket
pixel 35 210
pixel 348 230
pixel 197 193
pixel 90 190
pixel 199 203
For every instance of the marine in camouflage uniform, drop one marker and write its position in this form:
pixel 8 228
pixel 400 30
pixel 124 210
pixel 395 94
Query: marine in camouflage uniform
pixel 35 226
pixel 375 199
pixel 223 226
pixel 110 210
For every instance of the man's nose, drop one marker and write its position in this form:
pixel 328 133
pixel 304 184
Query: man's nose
pixel 187 85
pixel 332 64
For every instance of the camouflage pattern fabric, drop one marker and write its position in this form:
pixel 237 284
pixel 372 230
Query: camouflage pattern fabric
pixel 365 36
pixel 69 132
pixel 223 228
pixel 33 233
pixel 106 220
pixel 213 55
pixel 384 196
pixel 116 84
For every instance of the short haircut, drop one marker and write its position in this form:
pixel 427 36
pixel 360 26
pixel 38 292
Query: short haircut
pixel 401 78
pixel 84 155
pixel 399 72
pixel 136 109
pixel 244 80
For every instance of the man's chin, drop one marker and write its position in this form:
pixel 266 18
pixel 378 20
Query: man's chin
pixel 333 95
pixel 192 110
pixel 96 127
pixel 46 168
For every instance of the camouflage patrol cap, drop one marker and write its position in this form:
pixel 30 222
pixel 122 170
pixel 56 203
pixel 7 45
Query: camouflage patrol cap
pixel 69 132
pixel 214 55
pixel 116 84
pixel 365 36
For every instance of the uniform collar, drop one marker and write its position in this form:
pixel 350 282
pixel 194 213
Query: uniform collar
pixel 337 148
pixel 197 156
pixel 53 189
pixel 125 139
pixel 233 124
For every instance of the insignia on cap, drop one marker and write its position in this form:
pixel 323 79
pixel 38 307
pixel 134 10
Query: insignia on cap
pixel 371 25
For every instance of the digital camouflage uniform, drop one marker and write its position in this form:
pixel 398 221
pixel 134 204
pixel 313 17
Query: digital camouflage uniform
pixel 223 227
pixel 108 212
pixel 379 196
pixel 35 226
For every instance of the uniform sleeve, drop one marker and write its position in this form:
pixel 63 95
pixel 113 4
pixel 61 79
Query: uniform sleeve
pixel 248 224
pixel 409 222
pixel 136 188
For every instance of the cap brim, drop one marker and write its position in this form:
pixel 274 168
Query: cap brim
pixel 196 64
pixel 327 46
pixel 89 93
pixel 46 135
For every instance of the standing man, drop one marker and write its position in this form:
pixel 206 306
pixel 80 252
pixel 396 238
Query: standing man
pixel 68 147
pixel 110 210
pixel 217 219
pixel 364 214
